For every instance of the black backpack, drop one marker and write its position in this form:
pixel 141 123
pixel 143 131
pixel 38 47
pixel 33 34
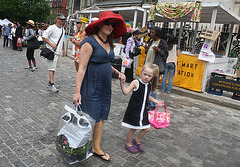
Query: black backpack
pixel 136 50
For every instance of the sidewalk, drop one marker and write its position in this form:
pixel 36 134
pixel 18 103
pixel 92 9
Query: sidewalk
pixel 201 134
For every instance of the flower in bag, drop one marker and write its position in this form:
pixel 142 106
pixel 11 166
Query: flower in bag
pixel 65 146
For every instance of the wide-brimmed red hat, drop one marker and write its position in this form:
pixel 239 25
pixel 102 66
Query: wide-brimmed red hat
pixel 120 28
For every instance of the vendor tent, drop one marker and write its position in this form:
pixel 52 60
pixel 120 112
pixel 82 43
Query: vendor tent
pixel 213 13
pixel 133 13
pixel 5 21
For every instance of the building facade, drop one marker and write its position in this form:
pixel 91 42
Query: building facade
pixel 58 6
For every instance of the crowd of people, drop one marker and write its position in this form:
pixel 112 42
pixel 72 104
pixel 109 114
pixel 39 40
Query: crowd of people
pixel 14 35
pixel 94 51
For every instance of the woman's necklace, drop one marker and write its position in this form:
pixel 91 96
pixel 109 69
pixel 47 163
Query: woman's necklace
pixel 102 39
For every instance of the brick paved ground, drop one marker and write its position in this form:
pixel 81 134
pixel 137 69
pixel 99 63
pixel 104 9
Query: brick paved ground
pixel 200 133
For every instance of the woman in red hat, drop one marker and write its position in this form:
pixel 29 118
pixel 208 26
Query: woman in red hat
pixel 93 79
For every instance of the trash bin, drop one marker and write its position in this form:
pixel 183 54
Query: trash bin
pixel 117 63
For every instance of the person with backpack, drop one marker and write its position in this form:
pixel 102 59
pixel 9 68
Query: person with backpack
pixel 131 51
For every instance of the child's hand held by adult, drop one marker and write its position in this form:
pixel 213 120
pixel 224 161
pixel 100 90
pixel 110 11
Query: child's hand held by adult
pixel 122 77
pixel 161 103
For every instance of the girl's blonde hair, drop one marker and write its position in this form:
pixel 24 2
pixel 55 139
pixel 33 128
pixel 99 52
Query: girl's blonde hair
pixel 154 80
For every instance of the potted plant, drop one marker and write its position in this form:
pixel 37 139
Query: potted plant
pixel 234 61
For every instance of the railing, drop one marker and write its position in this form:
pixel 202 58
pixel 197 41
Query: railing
pixel 219 44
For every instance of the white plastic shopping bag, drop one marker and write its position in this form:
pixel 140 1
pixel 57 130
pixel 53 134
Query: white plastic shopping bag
pixel 74 139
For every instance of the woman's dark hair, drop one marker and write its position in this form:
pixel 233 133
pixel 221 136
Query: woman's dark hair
pixel 171 40
pixel 158 31
pixel 110 37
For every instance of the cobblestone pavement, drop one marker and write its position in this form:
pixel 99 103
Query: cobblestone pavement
pixel 200 133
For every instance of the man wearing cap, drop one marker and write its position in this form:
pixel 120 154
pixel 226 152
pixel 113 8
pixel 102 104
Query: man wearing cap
pixel 53 37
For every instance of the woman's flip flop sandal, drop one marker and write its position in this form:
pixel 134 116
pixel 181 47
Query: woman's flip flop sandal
pixel 101 156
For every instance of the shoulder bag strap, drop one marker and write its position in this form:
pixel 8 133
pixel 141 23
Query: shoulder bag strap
pixel 60 38
pixel 136 44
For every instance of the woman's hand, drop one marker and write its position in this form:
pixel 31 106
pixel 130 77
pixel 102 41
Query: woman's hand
pixel 156 49
pixel 73 41
pixel 77 98
pixel 122 77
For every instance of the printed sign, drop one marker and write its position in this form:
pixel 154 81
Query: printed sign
pixel 207 45
pixel 190 72
pixel 209 34
pixel 144 32
pixel 207 56
pixel 225 84
pixel 205 53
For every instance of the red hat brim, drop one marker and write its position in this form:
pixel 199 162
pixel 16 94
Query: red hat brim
pixel 120 28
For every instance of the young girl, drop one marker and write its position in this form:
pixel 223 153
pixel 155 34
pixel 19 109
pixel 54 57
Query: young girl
pixel 136 116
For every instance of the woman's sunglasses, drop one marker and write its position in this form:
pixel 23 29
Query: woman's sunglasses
pixel 107 22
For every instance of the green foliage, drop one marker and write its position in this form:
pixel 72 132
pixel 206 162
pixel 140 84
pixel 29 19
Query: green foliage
pixel 75 151
pixel 23 10
pixel 232 54
pixel 24 44
pixel 51 19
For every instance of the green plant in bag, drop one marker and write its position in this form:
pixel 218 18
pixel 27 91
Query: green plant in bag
pixel 64 145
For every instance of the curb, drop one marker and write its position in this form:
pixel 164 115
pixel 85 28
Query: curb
pixel 224 100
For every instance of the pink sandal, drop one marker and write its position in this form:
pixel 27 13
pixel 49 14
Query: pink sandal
pixel 131 149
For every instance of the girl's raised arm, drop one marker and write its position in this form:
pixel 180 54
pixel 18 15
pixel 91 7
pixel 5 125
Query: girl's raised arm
pixel 127 90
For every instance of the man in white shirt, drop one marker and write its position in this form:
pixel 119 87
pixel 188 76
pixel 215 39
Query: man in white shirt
pixel 51 36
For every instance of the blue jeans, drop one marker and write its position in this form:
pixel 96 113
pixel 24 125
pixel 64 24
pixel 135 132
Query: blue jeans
pixel 5 40
pixel 170 67
pixel 154 95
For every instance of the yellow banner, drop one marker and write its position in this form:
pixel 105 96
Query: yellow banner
pixel 190 72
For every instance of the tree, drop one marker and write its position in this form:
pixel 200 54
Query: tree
pixel 23 10
pixel 51 19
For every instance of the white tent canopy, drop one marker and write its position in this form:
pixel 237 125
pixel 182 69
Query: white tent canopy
pixel 5 21
pixel 133 13
pixel 214 13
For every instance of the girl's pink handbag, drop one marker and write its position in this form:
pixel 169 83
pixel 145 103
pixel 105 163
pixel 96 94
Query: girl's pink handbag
pixel 158 119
